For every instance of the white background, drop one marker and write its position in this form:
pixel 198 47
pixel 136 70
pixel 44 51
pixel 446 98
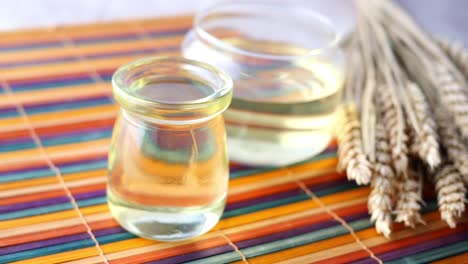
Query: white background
pixel 442 17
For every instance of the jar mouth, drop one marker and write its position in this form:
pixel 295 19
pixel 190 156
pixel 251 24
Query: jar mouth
pixel 167 87
pixel 258 15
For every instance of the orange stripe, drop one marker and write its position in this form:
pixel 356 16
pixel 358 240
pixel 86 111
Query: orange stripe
pixel 103 224
pixel 54 129
pixel 89 49
pixel 58 154
pixel 31 237
pixel 237 197
pixel 88 188
pixel 31 197
pixel 59 118
pixel 92 30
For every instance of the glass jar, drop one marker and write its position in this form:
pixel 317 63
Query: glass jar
pixel 287 70
pixel 168 165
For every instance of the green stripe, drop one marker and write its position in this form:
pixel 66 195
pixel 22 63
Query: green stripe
pixel 42 173
pixel 37 211
pixel 435 254
pixel 285 243
pixel 114 238
pixel 52 208
pixel 93 165
pixel 92 201
pixel 68 139
pixel 17 146
pixel 18 176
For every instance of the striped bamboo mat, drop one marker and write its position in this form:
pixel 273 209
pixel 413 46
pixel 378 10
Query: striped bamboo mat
pixel 56 116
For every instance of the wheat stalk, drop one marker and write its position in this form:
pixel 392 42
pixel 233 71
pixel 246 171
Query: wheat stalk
pixel 409 199
pixel 426 140
pixel 457 53
pixel 450 194
pixel 399 145
pixel 350 153
pixel 380 198
pixel 452 95
pixel 453 143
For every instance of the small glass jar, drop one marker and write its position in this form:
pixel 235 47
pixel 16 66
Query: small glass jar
pixel 168 165
pixel 287 69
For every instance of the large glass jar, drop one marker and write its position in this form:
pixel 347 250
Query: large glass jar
pixel 287 70
pixel 168 165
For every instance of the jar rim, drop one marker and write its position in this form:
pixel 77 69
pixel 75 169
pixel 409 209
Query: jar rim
pixel 219 43
pixel 119 87
pixel 216 101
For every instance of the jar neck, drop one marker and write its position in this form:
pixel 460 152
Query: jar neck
pixel 167 118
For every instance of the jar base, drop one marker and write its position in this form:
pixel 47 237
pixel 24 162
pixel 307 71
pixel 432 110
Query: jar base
pixel 257 152
pixel 165 223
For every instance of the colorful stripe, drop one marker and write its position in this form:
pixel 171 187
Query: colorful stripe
pixel 60 77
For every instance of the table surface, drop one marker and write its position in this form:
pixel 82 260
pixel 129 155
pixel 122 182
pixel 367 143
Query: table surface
pixel 56 116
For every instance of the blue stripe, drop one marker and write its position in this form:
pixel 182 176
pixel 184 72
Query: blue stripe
pixel 92 201
pixel 46 172
pixel 59 140
pixel 86 79
pixel 37 211
pixel 87 166
pixel 67 106
pixel 17 146
pixel 90 40
pixel 36 62
pixel 18 176
pixel 115 237
pixel 76 138
pixel 18 47
pixel 95 56
pixel 8 113
pixel 52 208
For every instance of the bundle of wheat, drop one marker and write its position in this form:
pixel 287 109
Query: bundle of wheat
pixel 404 117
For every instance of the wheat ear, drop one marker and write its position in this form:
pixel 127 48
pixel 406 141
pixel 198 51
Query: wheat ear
pixel 453 143
pixel 450 194
pixel 427 140
pixel 350 152
pixel 457 53
pixel 453 96
pixel 408 205
pixel 389 116
pixel 380 198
